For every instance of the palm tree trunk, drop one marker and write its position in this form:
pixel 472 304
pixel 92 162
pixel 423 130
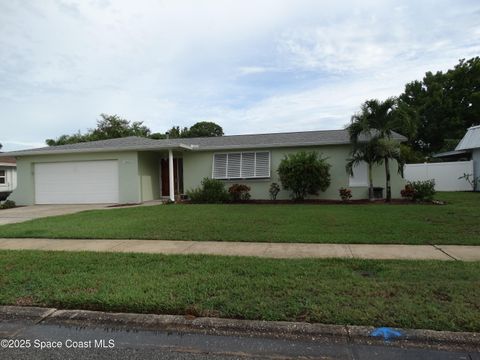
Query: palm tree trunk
pixel 387 175
pixel 370 183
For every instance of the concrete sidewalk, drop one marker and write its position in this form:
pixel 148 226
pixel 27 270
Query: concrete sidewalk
pixel 267 250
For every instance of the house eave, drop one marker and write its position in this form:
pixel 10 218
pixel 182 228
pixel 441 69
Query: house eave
pixel 267 146
pixel 18 154
pixel 451 153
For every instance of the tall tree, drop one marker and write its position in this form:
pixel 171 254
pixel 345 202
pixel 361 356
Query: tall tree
pixel 108 127
pixel 113 126
pixel 375 124
pixel 205 129
pixel 388 149
pixel 176 132
pixel 68 139
pixel 200 129
pixel 443 105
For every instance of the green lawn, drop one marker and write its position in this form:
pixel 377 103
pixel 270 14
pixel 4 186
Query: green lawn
pixel 454 223
pixel 413 294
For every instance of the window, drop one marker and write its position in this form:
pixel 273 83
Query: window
pixel 360 175
pixel 3 177
pixel 241 165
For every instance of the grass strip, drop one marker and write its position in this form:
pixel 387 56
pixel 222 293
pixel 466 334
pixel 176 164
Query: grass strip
pixel 412 294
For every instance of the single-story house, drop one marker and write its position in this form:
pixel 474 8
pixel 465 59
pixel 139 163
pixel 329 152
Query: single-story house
pixel 135 169
pixel 8 175
pixel 471 143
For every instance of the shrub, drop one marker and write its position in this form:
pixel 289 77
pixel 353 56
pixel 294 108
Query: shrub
pixel 8 204
pixel 345 194
pixel 472 180
pixel 274 190
pixel 211 191
pixel 239 192
pixel 419 190
pixel 423 190
pixel 304 173
pixel 408 192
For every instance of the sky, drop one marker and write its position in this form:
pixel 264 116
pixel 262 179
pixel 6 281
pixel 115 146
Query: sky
pixel 252 66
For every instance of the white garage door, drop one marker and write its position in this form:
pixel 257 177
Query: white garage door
pixel 79 182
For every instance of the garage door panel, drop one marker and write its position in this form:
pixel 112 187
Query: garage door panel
pixel 82 182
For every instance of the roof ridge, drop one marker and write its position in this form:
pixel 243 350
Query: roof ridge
pixel 261 134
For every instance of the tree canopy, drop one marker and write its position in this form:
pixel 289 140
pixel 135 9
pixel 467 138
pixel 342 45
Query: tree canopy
pixel 200 129
pixel 113 126
pixel 443 105
pixel 205 129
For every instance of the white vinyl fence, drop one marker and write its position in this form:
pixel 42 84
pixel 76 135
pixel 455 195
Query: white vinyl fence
pixel 445 174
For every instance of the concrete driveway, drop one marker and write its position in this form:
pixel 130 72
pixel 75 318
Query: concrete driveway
pixel 25 213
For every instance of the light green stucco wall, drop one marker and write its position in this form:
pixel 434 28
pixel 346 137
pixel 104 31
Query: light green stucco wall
pixel 139 178
pixel 149 172
pixel 197 165
pixel 129 181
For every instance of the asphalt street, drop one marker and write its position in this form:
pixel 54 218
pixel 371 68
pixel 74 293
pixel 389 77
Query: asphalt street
pixel 30 340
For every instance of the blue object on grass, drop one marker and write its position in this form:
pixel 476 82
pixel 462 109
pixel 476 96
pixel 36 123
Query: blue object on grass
pixel 386 333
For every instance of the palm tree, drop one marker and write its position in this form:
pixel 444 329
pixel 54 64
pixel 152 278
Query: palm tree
pixel 364 152
pixel 375 124
pixel 389 149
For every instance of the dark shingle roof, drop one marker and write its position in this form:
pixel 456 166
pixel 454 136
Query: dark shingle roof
pixel 291 139
pixel 119 144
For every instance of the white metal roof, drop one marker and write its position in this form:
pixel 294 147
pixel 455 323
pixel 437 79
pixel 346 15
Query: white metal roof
pixel 471 139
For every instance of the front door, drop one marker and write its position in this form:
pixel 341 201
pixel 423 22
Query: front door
pixel 177 176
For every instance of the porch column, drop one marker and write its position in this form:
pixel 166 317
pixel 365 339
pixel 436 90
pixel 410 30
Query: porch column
pixel 171 186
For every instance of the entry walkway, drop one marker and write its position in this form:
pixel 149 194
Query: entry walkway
pixel 267 250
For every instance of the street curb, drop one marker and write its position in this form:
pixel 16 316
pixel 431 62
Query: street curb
pixel 251 328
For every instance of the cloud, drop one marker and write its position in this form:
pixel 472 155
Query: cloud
pixel 249 70
pixel 251 65
pixel 364 41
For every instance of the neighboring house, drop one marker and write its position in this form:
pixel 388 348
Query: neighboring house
pixel 134 169
pixel 471 143
pixel 449 173
pixel 8 175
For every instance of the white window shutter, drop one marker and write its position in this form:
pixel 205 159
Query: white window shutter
pixel 234 164
pixel 360 175
pixel 242 165
pixel 248 165
pixel 220 166
pixel 262 164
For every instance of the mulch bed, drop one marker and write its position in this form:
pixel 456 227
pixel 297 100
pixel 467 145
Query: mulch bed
pixel 325 202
